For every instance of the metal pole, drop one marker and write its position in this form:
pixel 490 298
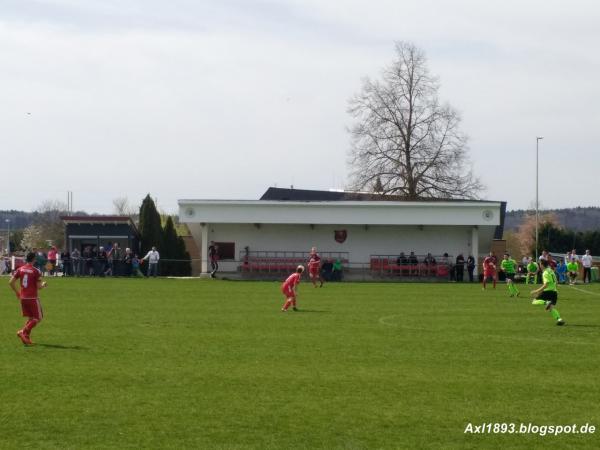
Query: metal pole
pixel 537 198
pixel 8 237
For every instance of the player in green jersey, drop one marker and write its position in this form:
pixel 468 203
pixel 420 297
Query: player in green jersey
pixel 547 294
pixel 532 271
pixel 509 267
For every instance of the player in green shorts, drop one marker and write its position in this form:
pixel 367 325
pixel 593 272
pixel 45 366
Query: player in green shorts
pixel 547 294
pixel 509 267
pixel 532 271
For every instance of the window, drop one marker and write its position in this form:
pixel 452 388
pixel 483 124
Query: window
pixel 226 250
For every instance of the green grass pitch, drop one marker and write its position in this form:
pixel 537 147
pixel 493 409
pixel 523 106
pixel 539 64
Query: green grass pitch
pixel 203 364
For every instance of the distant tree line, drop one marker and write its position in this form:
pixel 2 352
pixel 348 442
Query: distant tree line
pixel 557 239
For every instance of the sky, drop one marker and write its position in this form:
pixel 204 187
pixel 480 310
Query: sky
pixel 221 99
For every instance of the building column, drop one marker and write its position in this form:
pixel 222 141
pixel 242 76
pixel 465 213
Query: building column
pixel 475 248
pixel 204 248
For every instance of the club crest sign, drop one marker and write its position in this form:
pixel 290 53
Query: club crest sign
pixel 340 235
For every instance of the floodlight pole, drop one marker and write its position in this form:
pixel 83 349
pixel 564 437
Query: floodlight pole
pixel 8 236
pixel 537 198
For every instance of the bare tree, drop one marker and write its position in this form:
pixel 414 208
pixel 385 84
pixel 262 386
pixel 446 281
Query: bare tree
pixel 47 220
pixel 404 141
pixel 122 207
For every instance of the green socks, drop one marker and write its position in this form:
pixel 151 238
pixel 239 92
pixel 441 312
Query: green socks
pixel 555 314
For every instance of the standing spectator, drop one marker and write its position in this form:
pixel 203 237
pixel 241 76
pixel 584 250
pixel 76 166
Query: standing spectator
pixel 66 260
pixel 101 262
pixel 460 267
pixel 414 263
pixel 586 261
pixel 572 256
pixel 213 256
pixel 88 260
pixel 337 272
pixel 470 267
pixel 153 257
pixel 51 260
pixel 135 266
pixel 127 263
pixel 116 255
pixel 76 260
pixel 40 261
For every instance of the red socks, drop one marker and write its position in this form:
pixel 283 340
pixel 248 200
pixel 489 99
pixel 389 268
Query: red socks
pixel 31 323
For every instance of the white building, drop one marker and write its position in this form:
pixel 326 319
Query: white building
pixel 289 220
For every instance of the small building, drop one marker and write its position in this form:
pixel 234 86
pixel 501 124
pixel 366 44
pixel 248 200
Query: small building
pixel 96 231
pixel 284 224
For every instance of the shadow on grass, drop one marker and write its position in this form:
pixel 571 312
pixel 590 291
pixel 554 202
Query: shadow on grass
pixel 60 347
pixel 583 325
pixel 310 311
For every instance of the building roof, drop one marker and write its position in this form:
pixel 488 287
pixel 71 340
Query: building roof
pixel 285 194
pixel 100 220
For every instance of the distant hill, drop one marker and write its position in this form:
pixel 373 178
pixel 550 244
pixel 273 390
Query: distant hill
pixel 578 219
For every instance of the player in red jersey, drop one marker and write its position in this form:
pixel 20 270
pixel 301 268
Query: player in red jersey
pixel 289 288
pixel 30 282
pixel 314 267
pixel 489 269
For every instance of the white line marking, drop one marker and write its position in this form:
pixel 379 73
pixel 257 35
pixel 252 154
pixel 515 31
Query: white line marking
pixel 583 290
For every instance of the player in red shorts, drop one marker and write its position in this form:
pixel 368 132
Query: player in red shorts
pixel 30 282
pixel 289 288
pixel 489 269
pixel 314 267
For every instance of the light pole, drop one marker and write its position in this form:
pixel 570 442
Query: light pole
pixel 8 236
pixel 537 198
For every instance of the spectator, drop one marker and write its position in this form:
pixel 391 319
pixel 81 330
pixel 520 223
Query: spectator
pixel 135 266
pixel 40 261
pixel 572 256
pixel 561 271
pixel 460 267
pixel 402 262
pixel 337 271
pixel 470 267
pixel 116 255
pixel 76 261
pixel 430 263
pixel 586 261
pixel 153 257
pixel 101 262
pixel 414 263
pixel 66 261
pixel 327 270
pixel 213 255
pixel 127 263
pixel 88 260
pixel 51 259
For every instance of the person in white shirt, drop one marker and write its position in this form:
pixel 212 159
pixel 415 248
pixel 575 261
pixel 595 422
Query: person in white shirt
pixel 153 257
pixel 586 261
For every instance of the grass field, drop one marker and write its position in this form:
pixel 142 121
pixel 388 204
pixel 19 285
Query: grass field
pixel 202 364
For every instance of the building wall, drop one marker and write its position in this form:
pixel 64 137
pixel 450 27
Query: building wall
pixel 362 241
